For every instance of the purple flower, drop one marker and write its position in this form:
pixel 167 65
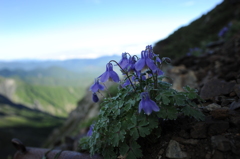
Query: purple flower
pixel 159 72
pixel 140 76
pixel 130 67
pixel 96 86
pixel 95 97
pixel 90 131
pixel 124 61
pixel 144 62
pixel 223 31
pixel 147 104
pixel 151 54
pixel 109 74
pixel 126 83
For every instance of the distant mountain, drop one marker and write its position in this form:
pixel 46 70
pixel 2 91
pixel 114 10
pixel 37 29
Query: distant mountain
pixel 76 65
pixel 52 86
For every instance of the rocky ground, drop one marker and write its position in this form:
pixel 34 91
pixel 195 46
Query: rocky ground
pixel 217 76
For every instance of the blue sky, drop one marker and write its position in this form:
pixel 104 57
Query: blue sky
pixel 63 29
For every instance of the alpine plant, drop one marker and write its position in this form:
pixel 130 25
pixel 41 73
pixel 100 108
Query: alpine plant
pixel 132 117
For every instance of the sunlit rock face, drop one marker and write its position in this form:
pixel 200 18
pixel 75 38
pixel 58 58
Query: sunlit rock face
pixel 7 87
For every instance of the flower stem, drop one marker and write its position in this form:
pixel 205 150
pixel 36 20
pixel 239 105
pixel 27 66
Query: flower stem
pixel 124 73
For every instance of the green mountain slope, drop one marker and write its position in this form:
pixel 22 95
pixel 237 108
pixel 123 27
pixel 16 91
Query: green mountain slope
pixel 19 121
pixel 201 31
pixel 55 90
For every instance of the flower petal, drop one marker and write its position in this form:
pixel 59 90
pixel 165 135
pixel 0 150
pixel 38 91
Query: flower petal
pixel 151 64
pixel 96 86
pixel 140 107
pixel 153 105
pixel 114 76
pixel 104 77
pixel 139 65
pixel 95 97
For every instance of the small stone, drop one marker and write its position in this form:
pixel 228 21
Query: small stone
pixel 232 94
pixel 237 89
pixel 212 106
pixel 218 127
pixel 161 152
pixel 184 134
pixel 220 113
pixel 186 141
pixel 238 81
pixel 216 87
pixel 221 143
pixel 235 105
pixel 208 155
pixel 199 130
pixel 218 155
pixel 174 150
pixel 235 120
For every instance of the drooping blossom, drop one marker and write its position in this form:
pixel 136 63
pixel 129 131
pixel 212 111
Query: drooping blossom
pixel 146 104
pixel 140 76
pixel 95 97
pixel 159 73
pixel 124 61
pixel 109 74
pixel 223 31
pixel 96 86
pixel 126 83
pixel 151 54
pixel 145 62
pixel 130 67
pixel 90 131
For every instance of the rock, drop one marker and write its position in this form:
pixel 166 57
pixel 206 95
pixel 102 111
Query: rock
pixel 235 105
pixel 8 88
pixel 186 141
pixel 212 106
pixel 208 155
pixel 221 143
pixel 217 127
pixel 218 155
pixel 220 113
pixel 184 134
pixel 216 87
pixel 199 130
pixel 235 120
pixel 237 89
pixel 182 77
pixel 174 150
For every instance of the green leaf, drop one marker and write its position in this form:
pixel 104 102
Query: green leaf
pixel 180 99
pixel 135 148
pixel 168 112
pixel 189 111
pixel 134 133
pixel 131 155
pixel 165 99
pixel 123 149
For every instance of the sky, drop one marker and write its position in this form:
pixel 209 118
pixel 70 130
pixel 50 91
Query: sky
pixel 66 29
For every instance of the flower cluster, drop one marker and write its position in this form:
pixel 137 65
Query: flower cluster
pixel 121 127
pixel 136 70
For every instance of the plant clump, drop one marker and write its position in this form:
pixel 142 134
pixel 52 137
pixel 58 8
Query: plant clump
pixel 142 101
